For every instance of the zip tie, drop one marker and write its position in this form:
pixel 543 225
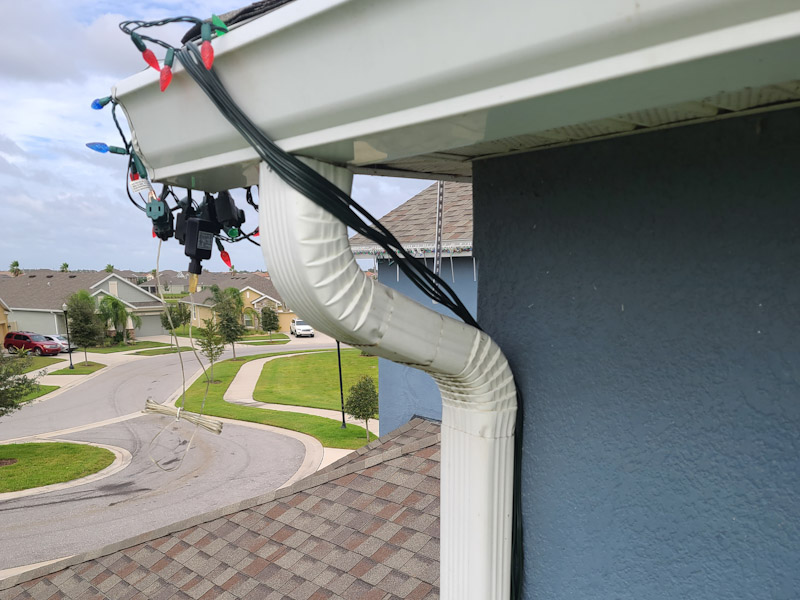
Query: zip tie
pixel 178 414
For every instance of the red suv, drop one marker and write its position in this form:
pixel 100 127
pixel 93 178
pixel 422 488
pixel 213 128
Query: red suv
pixel 34 342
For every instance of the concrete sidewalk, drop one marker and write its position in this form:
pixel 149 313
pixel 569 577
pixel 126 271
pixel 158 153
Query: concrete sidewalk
pixel 243 385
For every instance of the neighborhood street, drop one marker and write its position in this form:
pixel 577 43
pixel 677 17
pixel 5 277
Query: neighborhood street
pixel 219 470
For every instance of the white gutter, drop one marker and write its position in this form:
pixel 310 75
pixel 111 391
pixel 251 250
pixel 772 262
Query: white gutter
pixel 308 254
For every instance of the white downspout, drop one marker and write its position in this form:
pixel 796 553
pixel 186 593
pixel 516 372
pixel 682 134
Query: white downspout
pixel 308 255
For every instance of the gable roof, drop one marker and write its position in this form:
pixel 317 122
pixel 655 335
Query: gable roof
pixel 48 290
pixel 263 286
pixel 367 524
pixel 413 223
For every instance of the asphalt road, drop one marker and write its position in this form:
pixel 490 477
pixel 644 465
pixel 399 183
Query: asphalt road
pixel 218 470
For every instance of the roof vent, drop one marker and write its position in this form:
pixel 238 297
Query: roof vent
pixel 31 276
pixel 72 276
pixel 49 276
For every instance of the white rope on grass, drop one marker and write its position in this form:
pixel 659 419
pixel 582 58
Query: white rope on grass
pixel 207 423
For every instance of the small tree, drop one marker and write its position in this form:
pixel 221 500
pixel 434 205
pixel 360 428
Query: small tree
pixel 85 327
pixel 109 268
pixel 228 306
pixel 362 401
pixel 14 268
pixel 179 313
pixel 269 321
pixel 211 344
pixel 64 268
pixel 14 383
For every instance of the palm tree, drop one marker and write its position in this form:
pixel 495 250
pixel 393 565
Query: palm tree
pixel 112 310
pixel 64 268
pixel 14 268
pixel 109 268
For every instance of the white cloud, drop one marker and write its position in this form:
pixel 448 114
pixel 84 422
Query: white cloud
pixel 53 189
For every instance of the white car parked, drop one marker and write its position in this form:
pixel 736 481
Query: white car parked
pixel 300 328
pixel 61 340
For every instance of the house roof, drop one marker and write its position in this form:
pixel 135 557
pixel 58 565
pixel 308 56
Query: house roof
pixel 43 289
pixel 413 223
pixel 366 527
pixel 262 285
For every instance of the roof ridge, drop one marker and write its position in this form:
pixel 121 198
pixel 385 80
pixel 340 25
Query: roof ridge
pixel 318 478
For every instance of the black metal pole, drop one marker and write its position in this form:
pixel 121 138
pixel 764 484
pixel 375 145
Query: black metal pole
pixel 69 342
pixel 341 388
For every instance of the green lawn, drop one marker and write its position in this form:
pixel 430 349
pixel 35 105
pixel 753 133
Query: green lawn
pixel 265 336
pixel 81 368
pixel 40 390
pixel 183 331
pixel 40 362
pixel 313 381
pixel 125 347
pixel 47 463
pixel 327 431
pixel 156 351
pixel 265 343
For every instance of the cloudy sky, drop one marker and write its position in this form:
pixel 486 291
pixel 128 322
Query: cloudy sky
pixel 60 201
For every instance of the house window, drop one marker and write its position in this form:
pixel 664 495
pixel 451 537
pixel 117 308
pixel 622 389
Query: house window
pixel 248 320
pixel 247 293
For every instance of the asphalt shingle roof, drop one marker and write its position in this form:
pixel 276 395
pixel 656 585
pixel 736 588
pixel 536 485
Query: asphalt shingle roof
pixel 414 221
pixel 48 289
pixel 365 527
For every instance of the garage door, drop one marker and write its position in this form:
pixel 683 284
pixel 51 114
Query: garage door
pixel 151 325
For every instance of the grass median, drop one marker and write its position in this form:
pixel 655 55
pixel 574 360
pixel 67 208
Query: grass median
pixel 40 362
pixel 313 380
pixel 40 391
pixel 157 351
pixel 26 466
pixel 327 431
pixel 126 347
pixel 81 368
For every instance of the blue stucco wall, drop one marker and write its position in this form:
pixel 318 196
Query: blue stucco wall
pixel 654 285
pixel 405 392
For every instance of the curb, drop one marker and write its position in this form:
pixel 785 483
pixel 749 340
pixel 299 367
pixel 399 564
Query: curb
pixel 122 458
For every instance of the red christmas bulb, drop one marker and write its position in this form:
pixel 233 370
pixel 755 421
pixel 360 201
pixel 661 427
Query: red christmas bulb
pixel 154 232
pixel 225 258
pixel 150 59
pixel 207 54
pixel 256 233
pixel 166 77
pixel 134 176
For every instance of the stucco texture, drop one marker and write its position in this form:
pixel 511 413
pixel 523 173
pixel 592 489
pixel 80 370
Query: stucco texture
pixel 646 292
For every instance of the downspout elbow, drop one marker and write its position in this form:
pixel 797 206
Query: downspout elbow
pixel 308 254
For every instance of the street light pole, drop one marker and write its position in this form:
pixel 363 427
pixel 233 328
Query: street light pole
pixel 341 389
pixel 69 342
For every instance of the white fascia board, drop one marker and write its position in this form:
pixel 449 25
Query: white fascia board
pixel 190 303
pixel 123 280
pixel 4 305
pixel 450 79
pixel 267 297
pixel 45 310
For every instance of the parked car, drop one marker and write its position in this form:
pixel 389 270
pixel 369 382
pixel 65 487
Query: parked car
pixel 61 340
pixel 33 342
pixel 300 328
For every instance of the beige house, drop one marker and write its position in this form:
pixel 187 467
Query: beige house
pixel 4 310
pixel 256 292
